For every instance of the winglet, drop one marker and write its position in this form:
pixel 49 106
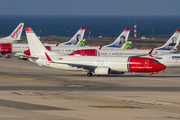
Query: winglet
pixel 151 52
pixel 57 44
pixel 48 58
pixel 98 53
pixel 100 47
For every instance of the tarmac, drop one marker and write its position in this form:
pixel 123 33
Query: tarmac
pixel 32 92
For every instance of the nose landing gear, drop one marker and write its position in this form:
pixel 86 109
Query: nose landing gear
pixel 151 73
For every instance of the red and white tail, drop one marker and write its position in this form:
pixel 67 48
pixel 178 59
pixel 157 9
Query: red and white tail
pixel 35 45
pixel 16 34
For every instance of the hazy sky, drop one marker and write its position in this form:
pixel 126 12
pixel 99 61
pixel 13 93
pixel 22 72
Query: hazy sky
pixel 90 7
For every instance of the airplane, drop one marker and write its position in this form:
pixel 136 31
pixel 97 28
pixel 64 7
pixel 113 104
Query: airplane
pixel 169 47
pixel 14 36
pixel 92 64
pixel 7 48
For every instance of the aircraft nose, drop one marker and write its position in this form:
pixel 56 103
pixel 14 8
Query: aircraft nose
pixel 162 67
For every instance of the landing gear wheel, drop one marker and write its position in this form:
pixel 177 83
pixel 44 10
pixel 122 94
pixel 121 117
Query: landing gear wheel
pixel 8 56
pixel 150 75
pixel 89 74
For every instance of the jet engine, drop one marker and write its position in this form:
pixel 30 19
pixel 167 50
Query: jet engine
pixel 102 70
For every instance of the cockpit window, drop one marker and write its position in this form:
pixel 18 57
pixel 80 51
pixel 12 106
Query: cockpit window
pixel 156 62
pixel 20 51
pixel 159 58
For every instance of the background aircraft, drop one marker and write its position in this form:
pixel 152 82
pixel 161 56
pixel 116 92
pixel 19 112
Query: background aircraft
pixel 65 50
pixel 7 48
pixel 121 40
pixel 14 36
pixel 76 38
pixel 169 47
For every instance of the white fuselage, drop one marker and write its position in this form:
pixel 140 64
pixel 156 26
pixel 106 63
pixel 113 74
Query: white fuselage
pixel 115 63
pixel 134 52
pixel 61 49
pixel 113 52
pixel 16 47
pixel 6 40
pixel 65 50
pixel 170 60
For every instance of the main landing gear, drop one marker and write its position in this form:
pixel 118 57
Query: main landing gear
pixel 89 74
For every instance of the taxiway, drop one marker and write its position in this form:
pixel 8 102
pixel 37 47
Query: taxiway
pixel 29 92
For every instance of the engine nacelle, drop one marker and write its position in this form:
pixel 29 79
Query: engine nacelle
pixel 102 70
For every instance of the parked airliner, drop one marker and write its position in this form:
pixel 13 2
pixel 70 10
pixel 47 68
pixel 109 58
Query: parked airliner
pixel 91 64
pixel 169 47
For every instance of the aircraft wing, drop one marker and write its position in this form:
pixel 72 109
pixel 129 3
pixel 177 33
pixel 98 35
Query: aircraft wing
pixel 87 67
pixel 150 53
pixel 26 56
pixel 32 57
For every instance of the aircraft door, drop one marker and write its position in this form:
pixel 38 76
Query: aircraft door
pixel 146 64
pixel 47 62
pixel 168 59
pixel 82 53
pixel 100 62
